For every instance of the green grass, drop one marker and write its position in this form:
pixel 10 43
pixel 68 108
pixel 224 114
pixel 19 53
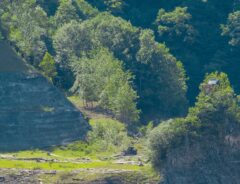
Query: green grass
pixel 71 152
pixel 17 164
pixel 86 151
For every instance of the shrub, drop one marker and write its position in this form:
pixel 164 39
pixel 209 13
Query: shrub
pixel 109 134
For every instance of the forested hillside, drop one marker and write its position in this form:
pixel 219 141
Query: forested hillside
pixel 147 72
pixel 162 75
pixel 202 35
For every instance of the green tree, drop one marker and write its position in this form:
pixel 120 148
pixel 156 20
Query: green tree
pixel 218 106
pixel 48 66
pixel 123 35
pixel 175 24
pixel 100 77
pixel 65 13
pixel 231 28
pixel 88 81
pixel 119 96
pixel 114 6
pixel 154 80
pixel 26 24
pixel 164 76
pixel 86 9
pixel 124 104
pixel 71 41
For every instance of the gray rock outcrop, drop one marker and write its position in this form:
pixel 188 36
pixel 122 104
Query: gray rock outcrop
pixel 33 113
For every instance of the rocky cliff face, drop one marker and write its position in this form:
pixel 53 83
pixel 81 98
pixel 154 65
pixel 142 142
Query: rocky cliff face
pixel 33 113
pixel 207 162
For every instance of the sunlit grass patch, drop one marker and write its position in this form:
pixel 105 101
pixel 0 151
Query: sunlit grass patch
pixel 31 165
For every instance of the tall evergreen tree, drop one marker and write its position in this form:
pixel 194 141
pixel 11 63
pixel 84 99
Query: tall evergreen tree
pixel 48 66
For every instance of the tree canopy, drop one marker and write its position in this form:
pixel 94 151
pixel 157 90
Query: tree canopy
pixel 100 78
pixel 166 46
pixel 231 29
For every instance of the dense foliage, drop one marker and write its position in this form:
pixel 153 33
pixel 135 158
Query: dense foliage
pixel 200 43
pixel 107 134
pixel 73 31
pixel 215 114
pixel 83 41
pixel 101 78
pixel 231 29
pixel 48 66
pixel 175 24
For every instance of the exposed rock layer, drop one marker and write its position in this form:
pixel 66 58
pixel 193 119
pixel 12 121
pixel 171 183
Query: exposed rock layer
pixel 206 162
pixel 33 113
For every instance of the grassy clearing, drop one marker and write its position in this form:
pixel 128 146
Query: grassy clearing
pixel 92 112
pixel 71 152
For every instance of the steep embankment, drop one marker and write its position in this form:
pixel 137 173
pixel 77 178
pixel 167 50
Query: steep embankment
pixel 33 113
pixel 208 162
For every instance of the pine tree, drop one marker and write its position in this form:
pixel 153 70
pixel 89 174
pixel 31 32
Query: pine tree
pixel 48 66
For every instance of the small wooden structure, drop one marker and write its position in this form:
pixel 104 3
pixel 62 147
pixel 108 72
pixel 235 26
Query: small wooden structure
pixel 210 85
